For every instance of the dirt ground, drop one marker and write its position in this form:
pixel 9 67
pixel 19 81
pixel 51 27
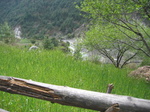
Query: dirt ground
pixel 141 72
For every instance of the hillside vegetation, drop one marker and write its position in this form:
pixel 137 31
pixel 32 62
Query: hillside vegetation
pixel 55 67
pixel 40 17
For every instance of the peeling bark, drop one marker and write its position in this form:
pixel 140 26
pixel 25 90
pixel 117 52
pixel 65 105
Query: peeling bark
pixel 71 96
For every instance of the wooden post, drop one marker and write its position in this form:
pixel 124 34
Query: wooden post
pixel 71 96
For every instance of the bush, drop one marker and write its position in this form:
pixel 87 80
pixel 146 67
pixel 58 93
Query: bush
pixel 54 41
pixel 47 43
pixel 7 34
pixel 146 61
pixel 33 41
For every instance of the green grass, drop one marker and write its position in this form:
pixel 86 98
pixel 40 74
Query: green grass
pixel 54 67
pixel 23 41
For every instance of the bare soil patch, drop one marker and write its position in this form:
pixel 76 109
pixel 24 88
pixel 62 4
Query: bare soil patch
pixel 141 72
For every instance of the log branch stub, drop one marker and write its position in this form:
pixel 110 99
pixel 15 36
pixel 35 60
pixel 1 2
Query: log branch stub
pixel 113 108
pixel 109 88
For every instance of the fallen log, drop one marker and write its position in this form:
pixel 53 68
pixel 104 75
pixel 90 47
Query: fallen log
pixel 2 110
pixel 113 108
pixel 72 97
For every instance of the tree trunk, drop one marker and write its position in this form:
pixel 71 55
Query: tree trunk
pixel 71 96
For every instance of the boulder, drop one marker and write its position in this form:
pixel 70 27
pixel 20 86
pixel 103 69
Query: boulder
pixel 33 47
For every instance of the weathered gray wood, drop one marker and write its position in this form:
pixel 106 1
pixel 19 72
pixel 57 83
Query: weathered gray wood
pixel 113 108
pixel 2 110
pixel 71 96
pixel 110 87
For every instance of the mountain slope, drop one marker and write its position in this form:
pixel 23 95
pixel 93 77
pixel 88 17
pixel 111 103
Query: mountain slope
pixel 40 17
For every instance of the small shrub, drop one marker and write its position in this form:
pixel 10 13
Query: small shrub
pixel 146 61
pixel 33 41
pixel 55 41
pixel 95 60
pixel 47 44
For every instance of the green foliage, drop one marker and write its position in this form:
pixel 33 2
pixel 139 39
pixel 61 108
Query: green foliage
pixel 50 43
pixel 54 67
pixel 104 40
pixel 95 59
pixel 47 43
pixel 106 35
pixel 119 22
pixel 38 17
pixel 6 34
pixel 77 52
pixel 33 41
pixel 24 40
pixel 69 35
pixel 146 61
pixel 64 46
pixel 112 10
pixel 55 41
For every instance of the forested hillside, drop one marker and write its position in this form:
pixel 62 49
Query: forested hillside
pixel 40 17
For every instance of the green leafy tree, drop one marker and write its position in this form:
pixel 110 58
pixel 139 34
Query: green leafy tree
pixel 146 61
pixel 47 43
pixel 103 40
pixel 126 16
pixel 77 53
pixel 33 41
pixel 50 43
pixel 55 42
pixel 7 34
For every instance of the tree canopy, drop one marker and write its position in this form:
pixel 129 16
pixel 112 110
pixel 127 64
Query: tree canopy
pixel 6 33
pixel 119 25
pixel 129 21
pixel 107 45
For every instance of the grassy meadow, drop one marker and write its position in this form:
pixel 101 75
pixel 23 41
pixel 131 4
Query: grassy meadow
pixel 55 67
